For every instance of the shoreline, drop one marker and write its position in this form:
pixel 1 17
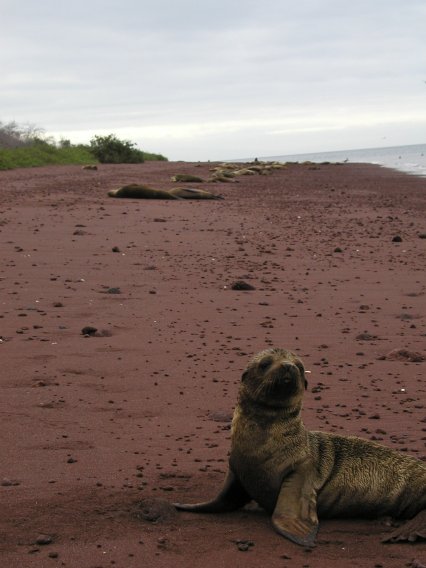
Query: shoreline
pixel 415 170
pixel 408 159
pixel 91 425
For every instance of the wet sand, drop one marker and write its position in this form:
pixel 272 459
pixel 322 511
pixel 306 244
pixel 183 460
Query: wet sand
pixel 92 425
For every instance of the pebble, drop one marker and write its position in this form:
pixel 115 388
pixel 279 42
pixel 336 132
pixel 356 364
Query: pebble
pixel 403 355
pixel 89 330
pixel 114 290
pixel 244 545
pixel 154 510
pixel 43 540
pixel 9 482
pixel 242 285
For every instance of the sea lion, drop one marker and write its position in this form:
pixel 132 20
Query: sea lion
pixel 189 193
pixel 245 172
pixel 217 178
pixel 135 191
pixel 298 475
pixel 187 178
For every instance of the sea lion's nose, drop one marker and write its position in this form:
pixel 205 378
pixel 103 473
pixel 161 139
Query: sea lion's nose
pixel 287 373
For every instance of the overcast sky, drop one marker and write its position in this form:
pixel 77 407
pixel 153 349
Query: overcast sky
pixel 218 79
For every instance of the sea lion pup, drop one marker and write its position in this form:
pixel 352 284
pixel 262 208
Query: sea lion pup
pixel 189 193
pixel 135 191
pixel 297 475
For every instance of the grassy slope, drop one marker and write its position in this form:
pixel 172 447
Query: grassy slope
pixel 47 155
pixel 44 155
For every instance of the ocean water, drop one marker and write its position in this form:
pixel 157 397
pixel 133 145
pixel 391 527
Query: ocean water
pixel 409 159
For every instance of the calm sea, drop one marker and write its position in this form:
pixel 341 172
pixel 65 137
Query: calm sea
pixel 410 159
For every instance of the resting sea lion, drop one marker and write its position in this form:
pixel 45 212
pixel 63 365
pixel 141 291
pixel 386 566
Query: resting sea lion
pixel 187 178
pixel 245 172
pixel 135 191
pixel 297 475
pixel 217 178
pixel 189 193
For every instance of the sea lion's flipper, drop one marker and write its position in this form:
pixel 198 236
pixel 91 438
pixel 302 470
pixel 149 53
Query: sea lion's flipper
pixel 412 530
pixel 295 514
pixel 233 496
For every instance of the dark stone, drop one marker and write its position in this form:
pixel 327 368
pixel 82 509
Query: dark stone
pixel 89 330
pixel 242 285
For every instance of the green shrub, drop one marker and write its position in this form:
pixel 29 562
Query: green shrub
pixel 154 157
pixel 111 150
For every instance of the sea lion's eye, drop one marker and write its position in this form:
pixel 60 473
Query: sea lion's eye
pixel 265 363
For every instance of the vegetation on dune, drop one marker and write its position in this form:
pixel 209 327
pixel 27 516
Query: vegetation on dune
pixel 27 146
pixel 152 157
pixel 41 153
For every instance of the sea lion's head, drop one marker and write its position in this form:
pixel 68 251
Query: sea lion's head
pixel 274 377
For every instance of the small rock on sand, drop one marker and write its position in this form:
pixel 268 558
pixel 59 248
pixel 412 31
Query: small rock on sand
pixel 242 285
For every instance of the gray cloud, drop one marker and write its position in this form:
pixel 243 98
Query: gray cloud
pixel 202 79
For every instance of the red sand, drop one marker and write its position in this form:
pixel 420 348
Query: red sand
pixel 92 425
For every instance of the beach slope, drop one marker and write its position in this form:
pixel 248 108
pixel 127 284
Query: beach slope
pixel 102 429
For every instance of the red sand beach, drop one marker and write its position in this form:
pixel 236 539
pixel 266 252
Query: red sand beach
pixel 90 426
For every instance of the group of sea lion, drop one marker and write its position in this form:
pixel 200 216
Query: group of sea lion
pixel 222 173
pixel 297 475
pixel 228 172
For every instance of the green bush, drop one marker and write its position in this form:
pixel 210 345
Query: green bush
pixel 154 157
pixel 111 150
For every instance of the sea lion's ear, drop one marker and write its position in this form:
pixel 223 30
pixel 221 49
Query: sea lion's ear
pixel 244 375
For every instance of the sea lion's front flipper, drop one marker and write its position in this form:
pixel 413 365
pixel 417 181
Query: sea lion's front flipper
pixel 233 496
pixel 295 514
pixel 412 530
